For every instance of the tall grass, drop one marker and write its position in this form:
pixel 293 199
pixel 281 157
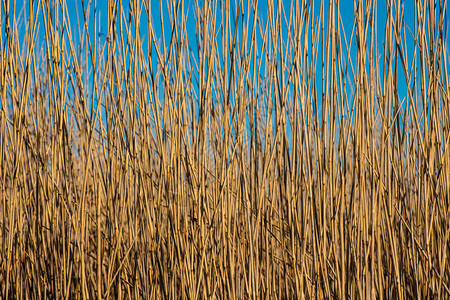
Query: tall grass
pixel 274 155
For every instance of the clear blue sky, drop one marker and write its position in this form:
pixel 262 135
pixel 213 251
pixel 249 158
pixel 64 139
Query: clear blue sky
pixel 75 12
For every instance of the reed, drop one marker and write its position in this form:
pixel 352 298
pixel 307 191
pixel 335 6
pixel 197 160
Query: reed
pixel 274 155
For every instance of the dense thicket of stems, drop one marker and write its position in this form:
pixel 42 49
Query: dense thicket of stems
pixel 274 155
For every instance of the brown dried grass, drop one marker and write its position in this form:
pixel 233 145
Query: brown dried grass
pixel 272 191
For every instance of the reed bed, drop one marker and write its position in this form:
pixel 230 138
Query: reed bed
pixel 273 154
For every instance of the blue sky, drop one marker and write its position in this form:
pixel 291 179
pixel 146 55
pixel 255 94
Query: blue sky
pixel 75 13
